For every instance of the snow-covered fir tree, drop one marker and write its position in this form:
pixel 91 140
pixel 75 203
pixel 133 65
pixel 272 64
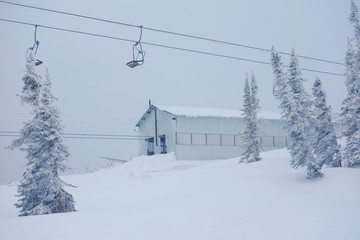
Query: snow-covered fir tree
pixel 295 106
pixel 350 111
pixel 300 123
pixel 280 77
pixel 326 148
pixel 245 135
pixel 251 135
pixel 282 91
pixel 32 83
pixel 41 191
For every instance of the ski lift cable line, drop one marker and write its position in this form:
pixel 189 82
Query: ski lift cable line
pixel 67 30
pixel 105 135
pixel 104 138
pixel 88 134
pixel 94 138
pixel 167 32
pixel 159 45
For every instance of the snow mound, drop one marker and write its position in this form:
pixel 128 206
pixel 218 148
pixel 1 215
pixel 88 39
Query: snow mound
pixel 158 197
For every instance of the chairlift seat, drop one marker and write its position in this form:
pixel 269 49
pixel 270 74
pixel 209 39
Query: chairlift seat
pixel 38 62
pixel 140 55
pixel 133 64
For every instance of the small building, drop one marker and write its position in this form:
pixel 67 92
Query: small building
pixel 203 133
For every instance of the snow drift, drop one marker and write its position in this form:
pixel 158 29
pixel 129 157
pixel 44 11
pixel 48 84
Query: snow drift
pixel 159 198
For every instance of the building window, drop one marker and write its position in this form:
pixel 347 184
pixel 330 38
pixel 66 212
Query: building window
pixel 213 139
pixel 238 140
pixel 280 141
pixel 198 139
pixel 163 144
pixel 267 141
pixel 150 150
pixel 183 138
pixel 227 140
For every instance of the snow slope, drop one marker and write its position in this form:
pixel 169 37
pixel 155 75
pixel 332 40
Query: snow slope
pixel 163 199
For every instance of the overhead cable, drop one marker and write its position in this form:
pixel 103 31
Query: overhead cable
pixel 166 31
pixel 85 136
pixel 159 45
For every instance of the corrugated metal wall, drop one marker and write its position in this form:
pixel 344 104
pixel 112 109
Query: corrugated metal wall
pixel 204 137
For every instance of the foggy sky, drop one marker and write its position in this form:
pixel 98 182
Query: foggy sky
pixel 98 93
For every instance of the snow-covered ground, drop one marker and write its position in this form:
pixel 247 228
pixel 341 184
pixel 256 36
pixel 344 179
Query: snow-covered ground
pixel 158 198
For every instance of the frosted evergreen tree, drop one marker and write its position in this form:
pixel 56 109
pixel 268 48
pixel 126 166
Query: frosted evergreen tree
pixel 350 111
pixel 295 105
pixel 256 148
pixel 326 148
pixel 300 123
pixel 281 90
pixel 245 135
pixel 32 83
pixel 41 190
pixel 279 87
pixel 251 135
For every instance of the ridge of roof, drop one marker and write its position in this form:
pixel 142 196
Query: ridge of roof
pixel 214 112
pixel 206 112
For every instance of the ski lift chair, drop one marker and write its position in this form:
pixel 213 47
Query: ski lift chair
pixel 139 59
pixel 36 46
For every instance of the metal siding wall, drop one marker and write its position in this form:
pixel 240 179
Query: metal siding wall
pixel 165 126
pixel 146 129
pixel 272 127
pixel 209 125
pixel 197 152
pixel 216 125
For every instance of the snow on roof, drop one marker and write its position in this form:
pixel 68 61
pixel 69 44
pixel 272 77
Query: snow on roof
pixel 213 112
pixel 206 112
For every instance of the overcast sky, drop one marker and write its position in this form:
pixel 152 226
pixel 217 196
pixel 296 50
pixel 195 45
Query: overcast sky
pixel 98 93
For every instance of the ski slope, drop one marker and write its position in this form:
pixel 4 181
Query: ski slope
pixel 159 198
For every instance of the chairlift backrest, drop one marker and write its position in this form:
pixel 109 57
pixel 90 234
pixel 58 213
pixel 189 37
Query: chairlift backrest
pixel 36 46
pixel 139 59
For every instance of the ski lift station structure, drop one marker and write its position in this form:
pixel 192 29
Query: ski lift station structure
pixel 203 133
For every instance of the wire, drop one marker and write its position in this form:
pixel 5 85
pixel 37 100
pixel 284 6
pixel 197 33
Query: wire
pixel 85 136
pixel 69 14
pixel 67 30
pixel 94 138
pixel 105 135
pixel 165 31
pixel 206 53
pixel 240 45
pixel 105 138
pixel 89 134
pixel 160 45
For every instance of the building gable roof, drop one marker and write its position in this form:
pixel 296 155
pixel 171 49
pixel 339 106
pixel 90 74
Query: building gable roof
pixel 214 112
pixel 206 112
